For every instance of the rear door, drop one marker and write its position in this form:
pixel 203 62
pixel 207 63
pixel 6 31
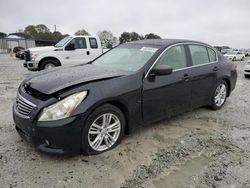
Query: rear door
pixel 203 73
pixel 79 54
pixel 167 95
pixel 95 48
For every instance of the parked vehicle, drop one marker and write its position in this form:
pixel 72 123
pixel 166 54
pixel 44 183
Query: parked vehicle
pixel 235 56
pixel 245 52
pixel 20 54
pixel 71 50
pixel 17 49
pixel 247 70
pixel 89 107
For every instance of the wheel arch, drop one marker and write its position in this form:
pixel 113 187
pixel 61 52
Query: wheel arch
pixel 49 57
pixel 120 105
pixel 228 85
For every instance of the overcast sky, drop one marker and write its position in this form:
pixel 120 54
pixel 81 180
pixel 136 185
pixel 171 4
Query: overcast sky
pixel 217 22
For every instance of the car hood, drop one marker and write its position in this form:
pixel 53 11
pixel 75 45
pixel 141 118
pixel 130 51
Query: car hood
pixel 56 79
pixel 40 49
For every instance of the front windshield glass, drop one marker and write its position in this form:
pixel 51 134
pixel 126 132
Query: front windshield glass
pixel 63 41
pixel 126 58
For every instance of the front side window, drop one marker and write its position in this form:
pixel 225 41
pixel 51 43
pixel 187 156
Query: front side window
pixel 79 43
pixel 93 43
pixel 174 57
pixel 199 54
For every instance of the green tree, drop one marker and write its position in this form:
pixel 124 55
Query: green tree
pixel 152 36
pixel 41 28
pixel 127 37
pixel 82 32
pixel 31 30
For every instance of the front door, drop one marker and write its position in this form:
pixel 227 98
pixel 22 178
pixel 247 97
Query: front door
pixel 79 54
pixel 168 95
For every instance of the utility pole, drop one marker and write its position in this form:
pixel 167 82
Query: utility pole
pixel 55 27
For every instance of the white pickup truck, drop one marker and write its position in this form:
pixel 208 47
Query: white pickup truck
pixel 69 51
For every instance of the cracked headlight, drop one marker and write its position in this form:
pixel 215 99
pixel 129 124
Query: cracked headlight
pixel 62 109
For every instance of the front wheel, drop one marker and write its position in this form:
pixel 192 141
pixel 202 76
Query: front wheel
pixel 103 130
pixel 47 64
pixel 219 96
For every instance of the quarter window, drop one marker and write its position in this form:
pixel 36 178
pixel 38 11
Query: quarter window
pixel 93 43
pixel 211 54
pixel 174 57
pixel 80 43
pixel 199 54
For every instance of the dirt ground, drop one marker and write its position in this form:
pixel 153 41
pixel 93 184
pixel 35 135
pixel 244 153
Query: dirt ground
pixel 202 148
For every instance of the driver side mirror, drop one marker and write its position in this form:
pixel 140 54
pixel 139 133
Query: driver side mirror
pixel 162 70
pixel 70 47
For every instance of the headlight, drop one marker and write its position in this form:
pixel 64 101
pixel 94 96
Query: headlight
pixel 63 108
pixel 33 56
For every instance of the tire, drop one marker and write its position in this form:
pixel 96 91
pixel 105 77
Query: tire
pixel 242 59
pixel 48 63
pixel 91 133
pixel 219 101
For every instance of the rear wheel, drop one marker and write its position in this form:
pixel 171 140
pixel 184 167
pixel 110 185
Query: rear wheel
pixel 48 63
pixel 103 130
pixel 219 96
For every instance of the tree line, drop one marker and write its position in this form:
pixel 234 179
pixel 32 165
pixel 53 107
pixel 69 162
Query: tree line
pixel 108 40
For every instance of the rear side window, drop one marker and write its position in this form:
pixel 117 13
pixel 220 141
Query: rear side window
pixel 211 54
pixel 174 57
pixel 93 43
pixel 199 54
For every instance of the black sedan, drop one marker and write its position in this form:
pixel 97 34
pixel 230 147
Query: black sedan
pixel 88 108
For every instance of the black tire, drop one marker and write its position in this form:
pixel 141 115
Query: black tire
pixel 213 104
pixel 107 108
pixel 47 62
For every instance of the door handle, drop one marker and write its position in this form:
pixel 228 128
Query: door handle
pixel 185 77
pixel 215 68
pixel 88 52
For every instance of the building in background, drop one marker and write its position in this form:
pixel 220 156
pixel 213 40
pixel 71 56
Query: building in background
pixel 16 39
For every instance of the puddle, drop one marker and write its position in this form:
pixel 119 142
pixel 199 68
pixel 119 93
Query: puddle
pixel 182 177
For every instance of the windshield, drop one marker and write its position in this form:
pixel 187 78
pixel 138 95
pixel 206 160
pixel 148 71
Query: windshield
pixel 126 58
pixel 63 41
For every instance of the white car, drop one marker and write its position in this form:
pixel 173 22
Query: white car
pixel 247 70
pixel 69 51
pixel 235 56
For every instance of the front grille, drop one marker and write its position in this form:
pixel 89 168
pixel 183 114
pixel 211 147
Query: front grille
pixel 27 55
pixel 23 106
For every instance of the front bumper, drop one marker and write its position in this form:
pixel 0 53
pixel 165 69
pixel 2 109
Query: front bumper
pixel 53 137
pixel 32 65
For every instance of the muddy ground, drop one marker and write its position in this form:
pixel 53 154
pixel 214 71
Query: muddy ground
pixel 202 148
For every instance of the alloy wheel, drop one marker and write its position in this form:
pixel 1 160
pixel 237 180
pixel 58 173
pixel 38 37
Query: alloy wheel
pixel 104 132
pixel 220 95
pixel 49 65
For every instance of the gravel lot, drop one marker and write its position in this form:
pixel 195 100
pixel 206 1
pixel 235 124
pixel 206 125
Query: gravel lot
pixel 202 148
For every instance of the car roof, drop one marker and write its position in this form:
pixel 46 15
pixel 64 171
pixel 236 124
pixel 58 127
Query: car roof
pixel 164 42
